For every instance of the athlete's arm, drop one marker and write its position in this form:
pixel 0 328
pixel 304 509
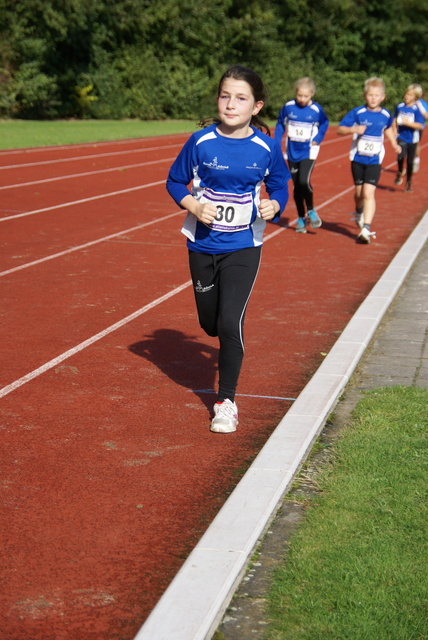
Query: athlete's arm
pixel 392 139
pixel 203 211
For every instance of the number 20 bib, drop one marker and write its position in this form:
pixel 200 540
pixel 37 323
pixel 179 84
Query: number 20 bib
pixel 234 211
pixel 369 145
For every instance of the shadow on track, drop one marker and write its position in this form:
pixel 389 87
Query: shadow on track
pixel 184 360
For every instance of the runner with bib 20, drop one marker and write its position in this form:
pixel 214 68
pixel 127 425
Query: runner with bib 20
pixel 227 162
pixel 368 124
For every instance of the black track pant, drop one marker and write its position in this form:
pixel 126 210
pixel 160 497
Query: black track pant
pixel 222 285
pixel 408 151
pixel 303 192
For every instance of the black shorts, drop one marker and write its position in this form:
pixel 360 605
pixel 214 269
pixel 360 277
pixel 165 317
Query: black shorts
pixel 365 173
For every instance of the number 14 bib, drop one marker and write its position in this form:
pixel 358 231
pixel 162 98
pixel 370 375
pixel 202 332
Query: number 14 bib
pixel 299 131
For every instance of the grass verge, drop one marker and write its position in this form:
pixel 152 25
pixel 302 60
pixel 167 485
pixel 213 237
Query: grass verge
pixel 23 134
pixel 356 568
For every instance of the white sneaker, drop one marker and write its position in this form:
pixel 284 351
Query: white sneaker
pixel 226 417
pixel 365 236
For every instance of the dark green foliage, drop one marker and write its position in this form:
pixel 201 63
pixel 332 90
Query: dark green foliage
pixel 154 59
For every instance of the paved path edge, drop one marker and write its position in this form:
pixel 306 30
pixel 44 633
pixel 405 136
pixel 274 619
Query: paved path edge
pixel 192 606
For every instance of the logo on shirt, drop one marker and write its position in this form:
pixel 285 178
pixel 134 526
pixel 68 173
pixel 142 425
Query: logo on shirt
pixel 215 165
pixel 200 289
pixel 253 166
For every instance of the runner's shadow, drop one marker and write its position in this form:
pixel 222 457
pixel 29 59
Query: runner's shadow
pixel 184 360
pixel 384 187
pixel 335 227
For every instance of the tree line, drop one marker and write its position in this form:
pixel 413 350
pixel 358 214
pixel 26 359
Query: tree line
pixel 157 59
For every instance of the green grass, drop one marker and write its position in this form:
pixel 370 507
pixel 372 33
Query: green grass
pixel 19 134
pixel 356 568
pixel 23 134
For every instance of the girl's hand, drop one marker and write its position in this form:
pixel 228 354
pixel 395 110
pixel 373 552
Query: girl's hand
pixel 205 212
pixel 268 209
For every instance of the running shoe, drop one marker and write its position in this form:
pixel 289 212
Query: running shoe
pixel 408 188
pixel 399 178
pixel 364 236
pixel 359 219
pixel 225 417
pixel 416 165
pixel 314 219
pixel 301 227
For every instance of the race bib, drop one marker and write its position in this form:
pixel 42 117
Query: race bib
pixel 369 146
pixel 299 131
pixel 403 115
pixel 234 211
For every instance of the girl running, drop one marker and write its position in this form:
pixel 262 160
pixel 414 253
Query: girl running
pixel 227 162
pixel 306 124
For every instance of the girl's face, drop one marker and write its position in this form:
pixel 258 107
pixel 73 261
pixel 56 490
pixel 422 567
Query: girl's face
pixel 303 96
pixel 236 106
pixel 409 98
pixel 374 97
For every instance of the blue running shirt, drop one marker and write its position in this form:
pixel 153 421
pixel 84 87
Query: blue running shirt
pixel 304 125
pixel 368 148
pixel 407 134
pixel 228 172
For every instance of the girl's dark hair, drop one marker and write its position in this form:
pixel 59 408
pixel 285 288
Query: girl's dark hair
pixel 238 72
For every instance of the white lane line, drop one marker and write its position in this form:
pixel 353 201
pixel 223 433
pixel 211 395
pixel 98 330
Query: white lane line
pixel 88 244
pixel 81 158
pixel 71 352
pixel 117 168
pixel 73 202
pixel 86 173
pixel 83 345
pixel 320 164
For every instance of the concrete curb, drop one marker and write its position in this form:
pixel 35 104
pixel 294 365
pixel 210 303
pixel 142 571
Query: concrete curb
pixel 192 606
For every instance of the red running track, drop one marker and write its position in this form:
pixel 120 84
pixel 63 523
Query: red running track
pixel 110 474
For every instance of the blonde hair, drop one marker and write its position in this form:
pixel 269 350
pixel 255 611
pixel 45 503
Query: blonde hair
pixel 416 89
pixel 306 82
pixel 374 82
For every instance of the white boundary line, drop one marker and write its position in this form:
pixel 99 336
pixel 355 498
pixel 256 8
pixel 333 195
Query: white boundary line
pixel 89 244
pixel 91 157
pixel 90 199
pixel 86 173
pixel 71 352
pixel 67 354
pixel 192 606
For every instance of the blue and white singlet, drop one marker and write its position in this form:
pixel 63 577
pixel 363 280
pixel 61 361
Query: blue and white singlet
pixel 228 172
pixel 368 148
pixel 304 125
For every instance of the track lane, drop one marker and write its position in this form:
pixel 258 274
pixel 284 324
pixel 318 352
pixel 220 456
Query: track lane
pixel 112 474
